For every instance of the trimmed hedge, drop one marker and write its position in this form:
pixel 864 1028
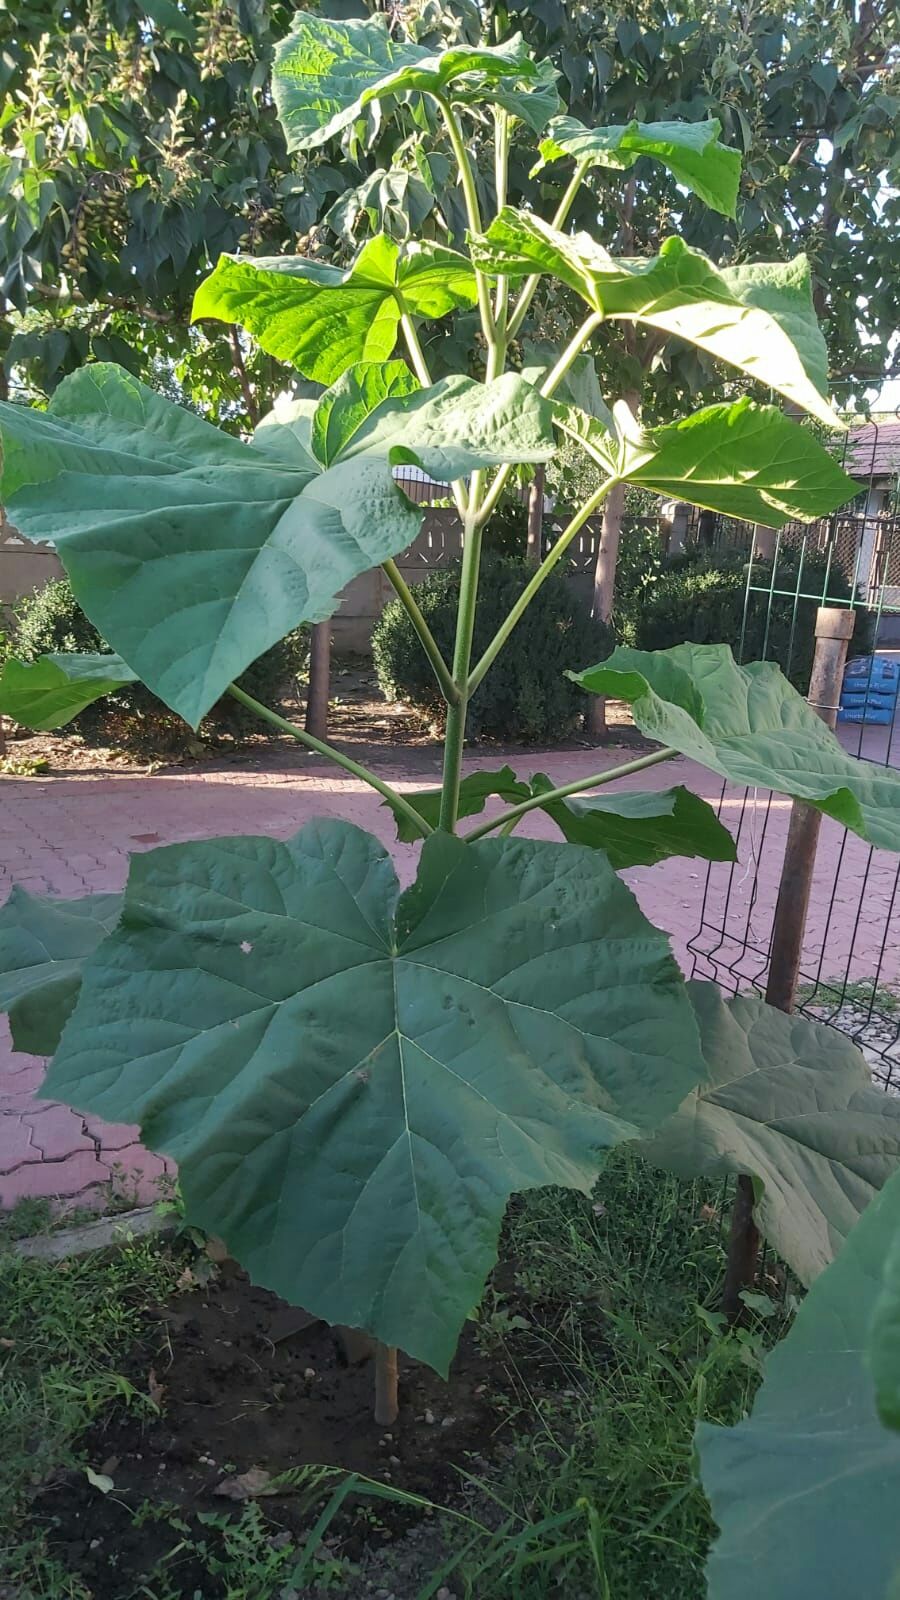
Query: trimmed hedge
pixel 52 620
pixel 525 696
pixel 700 597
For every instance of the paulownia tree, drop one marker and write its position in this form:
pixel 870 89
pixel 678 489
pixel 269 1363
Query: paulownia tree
pixel 354 1080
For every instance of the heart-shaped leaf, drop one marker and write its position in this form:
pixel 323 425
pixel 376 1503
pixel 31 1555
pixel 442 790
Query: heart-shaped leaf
pixel 327 72
pixel 193 552
pixel 51 691
pixel 742 459
pixel 43 947
pixel 321 319
pixel 690 150
pixel 758 318
pixel 634 830
pixel 884 1338
pixel 805 1490
pixel 791 1104
pixel 353 1086
pixel 750 725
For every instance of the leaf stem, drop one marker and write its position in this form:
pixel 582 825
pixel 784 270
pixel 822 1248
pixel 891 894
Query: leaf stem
pixel 473 210
pixel 548 387
pixel 420 368
pixel 455 735
pixel 394 799
pixel 426 637
pixel 560 215
pixel 531 588
pixel 513 813
pixel 501 179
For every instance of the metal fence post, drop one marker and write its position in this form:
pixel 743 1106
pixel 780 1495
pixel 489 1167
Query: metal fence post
pixel 834 627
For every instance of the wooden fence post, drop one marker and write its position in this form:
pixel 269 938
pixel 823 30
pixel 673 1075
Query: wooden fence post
pixel 317 693
pixel 834 627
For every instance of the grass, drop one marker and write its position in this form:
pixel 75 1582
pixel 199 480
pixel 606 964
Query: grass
pixel 604 1315
pixel 63 1325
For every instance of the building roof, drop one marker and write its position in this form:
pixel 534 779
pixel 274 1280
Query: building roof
pixel 873 451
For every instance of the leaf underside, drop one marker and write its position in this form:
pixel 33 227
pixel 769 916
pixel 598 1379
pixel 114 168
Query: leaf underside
pixel 44 944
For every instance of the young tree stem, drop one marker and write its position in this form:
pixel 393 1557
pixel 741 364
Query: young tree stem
pixel 560 215
pixel 393 797
pixel 420 368
pixel 509 817
pixel 473 210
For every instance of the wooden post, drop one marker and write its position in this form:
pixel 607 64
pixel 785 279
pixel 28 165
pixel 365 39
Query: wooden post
pixel 534 547
pixel 604 588
pixel 834 627
pixel 319 679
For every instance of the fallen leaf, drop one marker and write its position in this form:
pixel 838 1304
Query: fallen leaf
pixel 249 1485
pixel 100 1480
pixel 7 1344
pixel 155 1389
pixel 216 1249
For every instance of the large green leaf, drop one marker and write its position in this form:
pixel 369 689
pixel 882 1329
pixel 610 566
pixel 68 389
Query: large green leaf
pixel 322 319
pixel 327 72
pixel 758 318
pixel 635 830
pixel 750 725
pixel 192 551
pixel 43 947
pixel 791 1104
pixel 353 1086
pixel 381 409
pixel 690 150
pixel 51 691
pixel 805 1490
pixel 740 458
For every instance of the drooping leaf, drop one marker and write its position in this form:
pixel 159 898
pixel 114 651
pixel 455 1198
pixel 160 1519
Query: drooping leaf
pixel 352 1084
pixel 690 150
pixel 758 318
pixel 382 410
pixel 43 947
pixel 327 72
pixel 750 725
pixel 635 830
pixel 322 319
pixel 805 1490
pixel 193 552
pixel 791 1104
pixel 51 691
pixel 739 458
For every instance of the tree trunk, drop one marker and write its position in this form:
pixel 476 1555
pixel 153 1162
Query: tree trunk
pixel 534 547
pixel 605 586
pixel 319 679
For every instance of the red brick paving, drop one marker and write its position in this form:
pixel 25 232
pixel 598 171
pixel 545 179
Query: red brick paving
pixel 73 835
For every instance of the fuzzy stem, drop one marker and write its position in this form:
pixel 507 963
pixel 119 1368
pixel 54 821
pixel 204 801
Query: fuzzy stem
pixel 455 735
pixel 530 284
pixel 426 637
pixel 392 796
pixel 473 210
pixel 420 368
pixel 513 814
pixel 531 588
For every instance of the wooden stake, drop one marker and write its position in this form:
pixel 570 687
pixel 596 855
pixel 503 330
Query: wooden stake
pixel 386 1403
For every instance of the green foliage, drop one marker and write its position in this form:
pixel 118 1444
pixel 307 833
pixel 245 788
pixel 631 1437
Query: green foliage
pixel 703 597
pixel 791 1103
pixel 814 1465
pixel 52 623
pixel 456 1082
pixel 749 725
pixel 43 947
pixel 526 695
pixel 690 150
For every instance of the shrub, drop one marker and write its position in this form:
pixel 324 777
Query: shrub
pixel 701 597
pixel 526 695
pixel 51 620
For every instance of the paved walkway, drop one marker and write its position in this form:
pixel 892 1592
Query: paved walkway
pixel 73 835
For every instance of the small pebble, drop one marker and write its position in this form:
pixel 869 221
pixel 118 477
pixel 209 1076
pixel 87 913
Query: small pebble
pixel 95 1544
pixel 309 1373
pixel 447 1422
pixel 429 1417
pixel 444 1593
pixel 394 1460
